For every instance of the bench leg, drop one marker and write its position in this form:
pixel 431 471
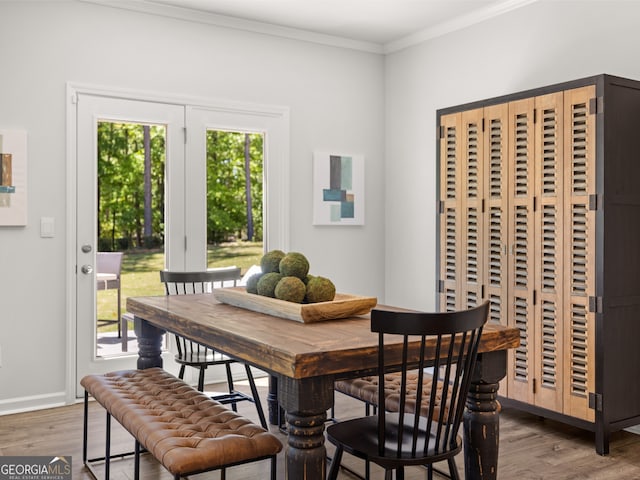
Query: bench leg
pixel 85 428
pixel 274 464
pixel 107 448
pixel 136 462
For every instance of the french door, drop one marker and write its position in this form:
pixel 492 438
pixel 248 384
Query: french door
pixel 185 213
pixel 91 110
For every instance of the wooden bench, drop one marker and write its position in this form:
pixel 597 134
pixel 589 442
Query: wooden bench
pixel 184 429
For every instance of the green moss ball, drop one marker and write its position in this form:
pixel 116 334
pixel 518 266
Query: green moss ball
pixel 267 284
pixel 291 289
pixel 252 283
pixel 270 261
pixel 294 264
pixel 320 289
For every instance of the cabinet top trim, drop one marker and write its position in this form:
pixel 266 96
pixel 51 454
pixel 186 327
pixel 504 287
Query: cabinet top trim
pixel 600 81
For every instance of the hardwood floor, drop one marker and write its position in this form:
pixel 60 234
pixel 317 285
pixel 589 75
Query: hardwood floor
pixel 530 448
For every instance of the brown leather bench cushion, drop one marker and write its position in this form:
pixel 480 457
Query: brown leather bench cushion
pixel 366 389
pixel 184 429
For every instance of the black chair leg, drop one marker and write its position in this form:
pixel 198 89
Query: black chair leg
pixel 181 372
pixel 453 469
pixel 201 379
pixel 256 397
pixel 234 407
pixel 335 464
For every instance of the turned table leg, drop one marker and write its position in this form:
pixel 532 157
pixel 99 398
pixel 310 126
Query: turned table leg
pixel 149 343
pixel 306 402
pixel 481 417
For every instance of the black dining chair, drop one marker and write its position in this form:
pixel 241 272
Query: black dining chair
pixel 424 428
pixel 193 354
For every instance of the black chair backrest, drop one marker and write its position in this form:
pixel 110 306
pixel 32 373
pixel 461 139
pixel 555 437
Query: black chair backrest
pixel 184 283
pixel 450 340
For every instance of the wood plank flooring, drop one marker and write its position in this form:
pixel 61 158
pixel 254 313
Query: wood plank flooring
pixel 530 448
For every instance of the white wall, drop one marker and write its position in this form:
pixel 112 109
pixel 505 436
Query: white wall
pixel 543 43
pixel 339 99
pixel 336 102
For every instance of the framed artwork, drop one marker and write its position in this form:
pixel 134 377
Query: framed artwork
pixel 13 178
pixel 338 189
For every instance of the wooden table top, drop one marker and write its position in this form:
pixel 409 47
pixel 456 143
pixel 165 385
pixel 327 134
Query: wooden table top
pixel 342 348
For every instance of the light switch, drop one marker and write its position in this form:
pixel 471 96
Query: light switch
pixel 47 227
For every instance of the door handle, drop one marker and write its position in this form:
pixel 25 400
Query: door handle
pixel 87 269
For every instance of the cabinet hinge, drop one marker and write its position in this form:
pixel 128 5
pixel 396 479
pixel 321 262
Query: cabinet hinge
pixel 535 386
pixel 482 205
pixel 440 286
pixel 535 297
pixel 185 243
pixel 440 207
pixel 535 204
pixel 595 304
pixel 184 130
pixel 535 116
pixel 483 124
pixel 595 401
pixel 596 105
pixel 593 201
pixel 440 132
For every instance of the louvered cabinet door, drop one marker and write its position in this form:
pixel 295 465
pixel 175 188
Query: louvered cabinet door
pixel 549 255
pixel 471 209
pixel 520 370
pixel 496 194
pixel 450 212
pixel 579 151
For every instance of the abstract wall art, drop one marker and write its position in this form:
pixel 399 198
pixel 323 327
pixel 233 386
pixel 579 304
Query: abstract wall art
pixel 338 189
pixel 13 178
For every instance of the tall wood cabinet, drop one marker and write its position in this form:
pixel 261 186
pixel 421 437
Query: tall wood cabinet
pixel 539 212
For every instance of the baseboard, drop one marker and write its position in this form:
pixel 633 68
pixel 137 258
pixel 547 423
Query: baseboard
pixel 35 402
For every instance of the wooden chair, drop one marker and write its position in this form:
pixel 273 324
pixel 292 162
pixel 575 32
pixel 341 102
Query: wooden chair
pixel 108 268
pixel 198 356
pixel 397 439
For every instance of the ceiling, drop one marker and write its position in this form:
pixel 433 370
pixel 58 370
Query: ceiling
pixel 375 25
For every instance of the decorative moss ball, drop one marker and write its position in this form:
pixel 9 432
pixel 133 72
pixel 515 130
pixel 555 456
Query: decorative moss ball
pixel 291 289
pixel 252 283
pixel 294 264
pixel 270 261
pixel 320 289
pixel 267 284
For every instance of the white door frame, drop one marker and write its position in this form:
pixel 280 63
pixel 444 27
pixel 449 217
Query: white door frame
pixel 277 185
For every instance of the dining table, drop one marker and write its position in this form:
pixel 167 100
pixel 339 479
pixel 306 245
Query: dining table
pixel 307 358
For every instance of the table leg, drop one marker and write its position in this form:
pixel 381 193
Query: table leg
pixel 306 402
pixel 276 412
pixel 481 417
pixel 149 343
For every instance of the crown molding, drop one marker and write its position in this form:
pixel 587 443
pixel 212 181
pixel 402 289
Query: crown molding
pixel 477 16
pixel 197 16
pixel 458 23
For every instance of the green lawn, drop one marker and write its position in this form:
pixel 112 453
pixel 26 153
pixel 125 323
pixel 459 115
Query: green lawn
pixel 140 275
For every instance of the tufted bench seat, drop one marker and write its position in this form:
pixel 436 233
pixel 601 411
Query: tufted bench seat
pixel 184 429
